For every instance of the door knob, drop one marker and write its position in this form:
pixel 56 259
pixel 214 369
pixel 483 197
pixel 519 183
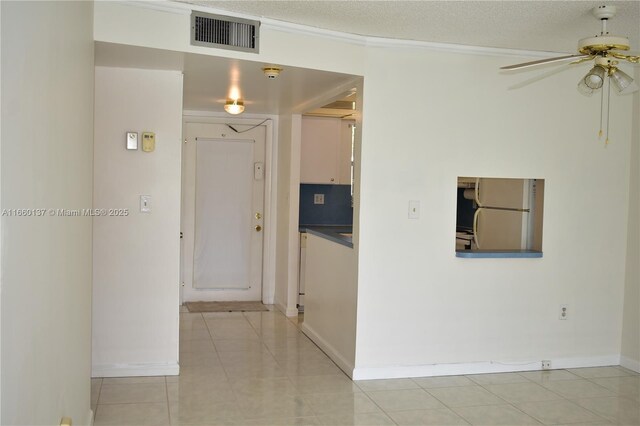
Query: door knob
pixel 258 228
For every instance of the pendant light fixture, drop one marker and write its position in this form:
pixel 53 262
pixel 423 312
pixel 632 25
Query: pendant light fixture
pixel 234 106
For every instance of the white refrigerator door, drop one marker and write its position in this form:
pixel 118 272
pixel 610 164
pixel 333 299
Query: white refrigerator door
pixel 502 229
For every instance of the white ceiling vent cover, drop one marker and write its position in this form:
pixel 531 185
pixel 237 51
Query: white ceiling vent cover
pixel 224 32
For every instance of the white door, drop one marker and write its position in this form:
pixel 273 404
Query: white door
pixel 223 188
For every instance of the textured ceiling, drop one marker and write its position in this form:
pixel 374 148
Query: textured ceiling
pixel 532 25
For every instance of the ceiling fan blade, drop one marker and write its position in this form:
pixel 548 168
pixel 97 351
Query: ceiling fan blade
pixel 630 58
pixel 536 78
pixel 581 60
pixel 543 61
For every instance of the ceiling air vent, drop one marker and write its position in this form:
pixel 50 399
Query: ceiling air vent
pixel 224 32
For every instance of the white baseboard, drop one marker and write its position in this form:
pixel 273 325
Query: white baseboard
pixel 90 418
pixel 629 363
pixel 289 312
pixel 335 356
pixel 395 372
pixel 134 370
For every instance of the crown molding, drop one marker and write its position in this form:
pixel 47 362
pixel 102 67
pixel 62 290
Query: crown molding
pixel 180 8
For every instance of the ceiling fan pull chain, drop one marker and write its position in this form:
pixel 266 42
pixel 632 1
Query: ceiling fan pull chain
pixel 601 113
pixel 606 142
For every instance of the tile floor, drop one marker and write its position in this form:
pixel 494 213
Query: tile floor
pixel 257 368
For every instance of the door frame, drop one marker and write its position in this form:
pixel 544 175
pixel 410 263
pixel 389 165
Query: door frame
pixel 270 190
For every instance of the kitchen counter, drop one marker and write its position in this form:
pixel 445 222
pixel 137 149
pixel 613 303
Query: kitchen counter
pixel 331 233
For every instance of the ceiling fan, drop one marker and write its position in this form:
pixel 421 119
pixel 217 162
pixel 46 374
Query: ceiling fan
pixel 606 52
pixel 604 49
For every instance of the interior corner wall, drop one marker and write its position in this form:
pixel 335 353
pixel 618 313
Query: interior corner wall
pixel 46 163
pixel 631 315
pixel 422 310
pixel 136 256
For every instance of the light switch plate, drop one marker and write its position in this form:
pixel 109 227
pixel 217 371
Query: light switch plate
pixel 145 204
pixel 414 209
pixel 132 140
pixel 318 198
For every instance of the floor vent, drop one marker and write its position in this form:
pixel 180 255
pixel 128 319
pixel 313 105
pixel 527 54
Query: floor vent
pixel 224 32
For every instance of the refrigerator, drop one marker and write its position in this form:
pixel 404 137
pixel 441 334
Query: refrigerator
pixel 505 216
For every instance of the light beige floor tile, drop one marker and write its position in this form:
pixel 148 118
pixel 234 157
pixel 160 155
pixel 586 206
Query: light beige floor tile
pixel 311 367
pixel 223 315
pixel 495 415
pixel 628 386
pixel 404 399
pixel 276 345
pixel 323 384
pixel 290 421
pixel 548 375
pixel 234 333
pixel 437 417
pixel 201 345
pixel 630 372
pixel 497 378
pixel 154 414
pixel 275 406
pixel 200 391
pixel 598 372
pixel 183 309
pixel 198 412
pixel 198 373
pixel 578 389
pixel 522 392
pixel 95 392
pixel 466 396
pixel 198 334
pixel 131 380
pixel 237 358
pixel 133 393
pixel 621 411
pixel 237 345
pixel 389 384
pixel 360 419
pixel 257 369
pixel 557 412
pixel 338 403
pixel 251 386
pixel 443 382
pixel 199 359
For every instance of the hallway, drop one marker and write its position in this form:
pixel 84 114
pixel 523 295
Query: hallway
pixel 257 368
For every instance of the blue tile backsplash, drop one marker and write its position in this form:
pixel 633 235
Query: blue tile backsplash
pixel 336 209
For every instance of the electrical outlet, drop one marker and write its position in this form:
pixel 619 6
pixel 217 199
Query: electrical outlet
pixel 318 198
pixel 564 312
pixel 546 364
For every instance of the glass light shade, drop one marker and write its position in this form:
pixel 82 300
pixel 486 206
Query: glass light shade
pixel 234 107
pixel 595 78
pixel 620 79
pixel 584 89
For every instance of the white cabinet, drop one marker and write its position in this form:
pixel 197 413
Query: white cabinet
pixel 326 151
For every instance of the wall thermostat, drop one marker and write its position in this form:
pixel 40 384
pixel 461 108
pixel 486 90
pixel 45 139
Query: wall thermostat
pixel 132 140
pixel 148 141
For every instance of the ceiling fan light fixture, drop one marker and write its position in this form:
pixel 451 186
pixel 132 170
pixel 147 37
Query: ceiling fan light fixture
pixel 595 77
pixel 620 79
pixel 584 89
pixel 234 106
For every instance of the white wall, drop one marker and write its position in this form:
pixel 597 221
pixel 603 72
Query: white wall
pixel 418 305
pixel 288 192
pixel 167 26
pixel 460 120
pixel 136 258
pixel 47 131
pixel 330 299
pixel 631 325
